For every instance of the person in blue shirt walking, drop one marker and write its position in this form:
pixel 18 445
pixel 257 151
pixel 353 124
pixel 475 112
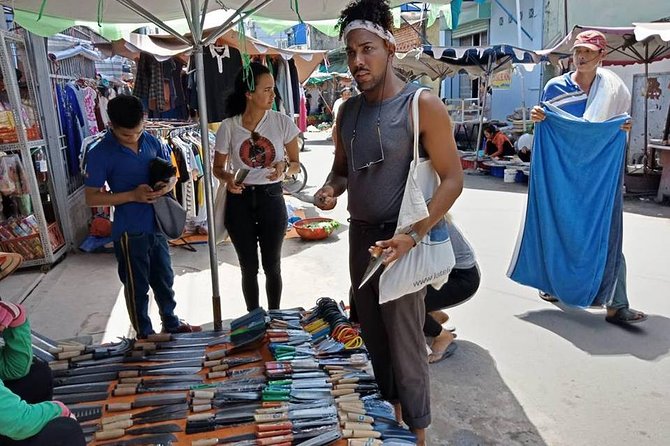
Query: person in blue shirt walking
pixel 121 160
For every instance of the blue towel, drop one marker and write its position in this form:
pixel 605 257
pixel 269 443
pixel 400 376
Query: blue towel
pixel 570 241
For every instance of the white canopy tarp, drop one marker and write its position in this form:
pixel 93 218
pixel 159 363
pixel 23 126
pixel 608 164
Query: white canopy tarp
pixel 115 11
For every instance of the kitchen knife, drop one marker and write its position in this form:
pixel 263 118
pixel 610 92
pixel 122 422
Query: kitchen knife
pixel 151 400
pixel 375 262
pixel 155 440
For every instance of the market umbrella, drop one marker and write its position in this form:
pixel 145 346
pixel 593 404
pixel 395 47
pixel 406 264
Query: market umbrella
pixel 482 62
pixel 62 13
pixel 642 44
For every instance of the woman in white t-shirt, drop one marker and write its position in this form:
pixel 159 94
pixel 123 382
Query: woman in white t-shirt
pixel 264 143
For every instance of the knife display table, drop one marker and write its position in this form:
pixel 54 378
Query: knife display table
pixel 287 377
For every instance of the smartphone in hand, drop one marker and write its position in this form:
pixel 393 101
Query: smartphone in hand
pixel 159 186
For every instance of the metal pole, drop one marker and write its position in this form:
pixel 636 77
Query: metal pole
pixel 649 153
pixel 519 40
pixel 204 130
pixel 487 82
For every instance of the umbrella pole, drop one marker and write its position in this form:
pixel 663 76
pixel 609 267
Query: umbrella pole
pixel 204 131
pixel 480 130
pixel 650 154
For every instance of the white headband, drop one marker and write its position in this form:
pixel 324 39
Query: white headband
pixel 368 26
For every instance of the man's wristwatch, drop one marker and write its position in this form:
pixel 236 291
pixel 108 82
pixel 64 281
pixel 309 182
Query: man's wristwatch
pixel 415 236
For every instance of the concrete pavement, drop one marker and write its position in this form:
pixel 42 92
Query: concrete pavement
pixel 526 373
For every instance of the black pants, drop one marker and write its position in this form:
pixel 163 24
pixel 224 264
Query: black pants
pixel 256 217
pixel 392 332
pixel 462 285
pixel 36 387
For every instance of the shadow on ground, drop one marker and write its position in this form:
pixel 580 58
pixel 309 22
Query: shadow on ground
pixel 589 332
pixel 472 405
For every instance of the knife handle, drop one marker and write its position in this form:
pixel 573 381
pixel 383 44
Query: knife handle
pixel 84 357
pixel 268 410
pixel 59 365
pixel 362 442
pixel 214 375
pixel 269 427
pixel 159 337
pixel 118 407
pixel 122 424
pixel 347 381
pixel 211 363
pixel 350 425
pixel 203 394
pixel 220 368
pixel 200 402
pixel 129 373
pixel 360 434
pixel 360 418
pixel 274 440
pixel 342 392
pixel 201 407
pixel 113 419
pixel 124 391
pixel 218 354
pixel 270 417
pixel 131 380
pixel 277 433
pixel 109 434
pixel 200 417
pixel 341 385
pixel 205 442
pixel 121 385
pixel 68 354
pixel 348 398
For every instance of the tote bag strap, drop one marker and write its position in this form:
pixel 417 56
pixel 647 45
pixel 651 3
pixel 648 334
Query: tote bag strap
pixel 415 122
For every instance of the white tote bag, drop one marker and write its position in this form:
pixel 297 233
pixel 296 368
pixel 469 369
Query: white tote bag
pixel 431 260
pixel 220 232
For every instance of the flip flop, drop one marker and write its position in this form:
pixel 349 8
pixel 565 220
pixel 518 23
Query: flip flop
pixel 547 297
pixel 451 348
pixel 626 316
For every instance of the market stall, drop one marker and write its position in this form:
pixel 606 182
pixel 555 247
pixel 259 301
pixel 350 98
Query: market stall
pixel 477 62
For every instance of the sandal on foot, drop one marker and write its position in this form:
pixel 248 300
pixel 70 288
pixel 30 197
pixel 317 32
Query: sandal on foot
pixel 625 316
pixel 451 348
pixel 547 297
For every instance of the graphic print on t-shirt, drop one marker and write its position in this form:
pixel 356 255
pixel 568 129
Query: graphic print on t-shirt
pixel 257 152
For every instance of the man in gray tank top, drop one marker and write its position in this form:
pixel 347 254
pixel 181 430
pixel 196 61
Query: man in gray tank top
pixel 372 157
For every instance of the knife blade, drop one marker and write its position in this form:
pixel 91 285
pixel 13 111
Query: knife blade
pixel 117 433
pixel 375 262
pixel 147 414
pixel 156 440
pixel 151 400
pixel 81 388
pixel 76 398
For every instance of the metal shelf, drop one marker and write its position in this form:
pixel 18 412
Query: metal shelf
pixel 13 54
pixel 17 146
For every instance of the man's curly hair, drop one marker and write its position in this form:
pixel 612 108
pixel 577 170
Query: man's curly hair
pixel 376 11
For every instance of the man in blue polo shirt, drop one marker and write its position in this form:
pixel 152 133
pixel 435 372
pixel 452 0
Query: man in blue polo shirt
pixel 121 160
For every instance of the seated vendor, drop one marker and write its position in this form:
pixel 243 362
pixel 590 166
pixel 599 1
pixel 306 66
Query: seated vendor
pixel 28 416
pixel 524 146
pixel 497 143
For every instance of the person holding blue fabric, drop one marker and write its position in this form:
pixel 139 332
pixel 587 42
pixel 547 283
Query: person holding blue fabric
pixel 28 416
pixel 121 160
pixel 596 95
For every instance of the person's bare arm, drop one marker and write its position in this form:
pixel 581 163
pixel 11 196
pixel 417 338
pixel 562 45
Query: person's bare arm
pixel 438 141
pixel 141 194
pixel 336 182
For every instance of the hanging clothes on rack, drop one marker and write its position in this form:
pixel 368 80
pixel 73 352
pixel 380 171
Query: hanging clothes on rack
pixel 295 85
pixel 221 65
pixel 72 123
pixel 149 83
